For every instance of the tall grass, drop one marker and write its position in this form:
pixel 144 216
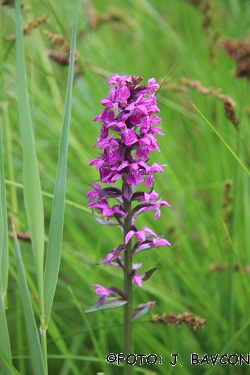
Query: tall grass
pixel 145 38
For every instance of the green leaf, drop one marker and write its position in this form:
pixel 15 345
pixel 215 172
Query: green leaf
pixel 4 254
pixel 31 181
pixel 4 334
pixel 107 304
pixel 57 217
pixel 4 262
pixel 35 346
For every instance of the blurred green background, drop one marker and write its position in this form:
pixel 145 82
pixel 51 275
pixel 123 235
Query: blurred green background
pixel 202 272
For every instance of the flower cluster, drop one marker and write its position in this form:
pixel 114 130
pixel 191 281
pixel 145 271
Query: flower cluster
pixel 127 137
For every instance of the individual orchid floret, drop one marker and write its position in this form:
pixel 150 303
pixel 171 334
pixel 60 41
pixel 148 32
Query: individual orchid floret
pixel 128 136
pixel 98 161
pixel 141 235
pixel 157 242
pixel 149 244
pixel 146 123
pixel 113 255
pixel 136 172
pixel 152 85
pixel 151 171
pixel 150 197
pixel 137 279
pixel 154 206
pixel 107 142
pixel 146 145
pixel 93 194
pixel 157 206
pixel 119 81
pixel 106 115
pixel 143 196
pixel 111 101
pixel 139 106
pixel 103 208
pixel 103 292
pixel 98 192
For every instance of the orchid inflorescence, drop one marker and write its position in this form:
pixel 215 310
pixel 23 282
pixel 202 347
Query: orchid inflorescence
pixel 127 137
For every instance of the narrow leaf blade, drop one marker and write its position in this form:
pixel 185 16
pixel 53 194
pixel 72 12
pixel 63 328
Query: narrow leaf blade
pixel 57 218
pixel 31 181
pixel 5 341
pixel 4 253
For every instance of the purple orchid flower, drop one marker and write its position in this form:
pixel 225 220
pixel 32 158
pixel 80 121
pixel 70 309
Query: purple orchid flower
pixel 127 138
pixel 137 279
pixel 103 292
pixel 141 235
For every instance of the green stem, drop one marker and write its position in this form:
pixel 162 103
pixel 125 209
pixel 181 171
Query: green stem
pixel 43 327
pixel 44 344
pixel 127 321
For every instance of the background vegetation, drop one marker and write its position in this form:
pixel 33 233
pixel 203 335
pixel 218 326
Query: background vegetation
pixel 206 270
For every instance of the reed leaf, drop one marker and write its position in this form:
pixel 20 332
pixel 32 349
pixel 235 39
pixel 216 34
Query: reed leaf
pixel 5 341
pixel 31 181
pixel 4 261
pixel 4 254
pixel 57 217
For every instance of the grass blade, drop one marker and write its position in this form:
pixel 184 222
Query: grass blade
pixel 35 345
pixel 4 254
pixel 51 196
pixel 4 261
pixel 4 334
pixel 57 216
